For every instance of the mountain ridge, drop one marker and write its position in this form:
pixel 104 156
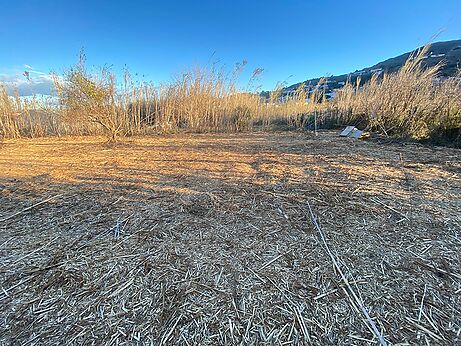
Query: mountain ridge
pixel 447 52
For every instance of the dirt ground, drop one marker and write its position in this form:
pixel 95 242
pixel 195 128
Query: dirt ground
pixel 207 239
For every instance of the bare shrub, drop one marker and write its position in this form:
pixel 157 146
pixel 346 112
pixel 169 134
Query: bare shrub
pixel 90 97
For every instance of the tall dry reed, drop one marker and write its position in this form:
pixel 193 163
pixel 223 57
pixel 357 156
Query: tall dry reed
pixel 199 99
pixel 413 102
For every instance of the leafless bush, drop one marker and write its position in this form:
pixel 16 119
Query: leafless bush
pixel 91 97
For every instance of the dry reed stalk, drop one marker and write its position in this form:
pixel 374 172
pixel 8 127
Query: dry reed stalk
pixel 412 102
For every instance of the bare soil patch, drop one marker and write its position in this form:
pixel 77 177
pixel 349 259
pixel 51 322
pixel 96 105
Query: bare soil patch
pixel 206 239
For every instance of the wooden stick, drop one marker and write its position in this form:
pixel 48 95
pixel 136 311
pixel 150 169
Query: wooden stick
pixel 29 208
pixel 36 250
pixel 167 335
pixel 358 302
pixel 270 262
pixel 390 208
pixel 422 303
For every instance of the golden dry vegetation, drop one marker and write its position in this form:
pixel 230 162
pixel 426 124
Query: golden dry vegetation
pixel 412 103
pixel 207 239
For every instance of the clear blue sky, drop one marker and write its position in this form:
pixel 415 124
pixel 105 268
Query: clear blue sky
pixel 301 39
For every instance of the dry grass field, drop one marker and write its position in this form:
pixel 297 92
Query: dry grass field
pixel 207 239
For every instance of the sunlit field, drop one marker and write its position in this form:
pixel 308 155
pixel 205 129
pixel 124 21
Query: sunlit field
pixel 230 173
pixel 229 239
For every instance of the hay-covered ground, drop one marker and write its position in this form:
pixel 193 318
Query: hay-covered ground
pixel 208 240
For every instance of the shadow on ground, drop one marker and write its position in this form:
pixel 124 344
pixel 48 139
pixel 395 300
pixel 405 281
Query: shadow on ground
pixel 208 240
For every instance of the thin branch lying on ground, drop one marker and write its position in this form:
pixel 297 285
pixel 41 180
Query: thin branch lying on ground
pixel 29 208
pixel 356 301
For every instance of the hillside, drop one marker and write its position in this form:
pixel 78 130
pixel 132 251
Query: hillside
pixel 448 53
